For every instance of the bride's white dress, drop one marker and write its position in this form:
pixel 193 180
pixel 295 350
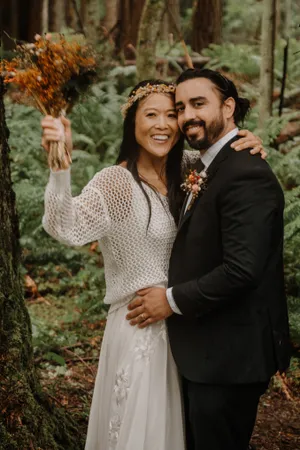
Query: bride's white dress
pixel 136 402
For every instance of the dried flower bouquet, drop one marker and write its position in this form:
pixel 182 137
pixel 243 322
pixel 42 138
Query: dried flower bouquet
pixel 52 73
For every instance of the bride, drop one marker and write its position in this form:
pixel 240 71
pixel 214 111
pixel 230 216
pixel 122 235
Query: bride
pixel 132 209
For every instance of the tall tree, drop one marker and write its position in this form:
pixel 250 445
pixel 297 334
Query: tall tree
pixel 147 38
pixel 111 13
pixel 90 15
pixel 130 13
pixel 19 20
pixel 287 18
pixel 57 18
pixel 45 15
pixel 267 60
pixel 71 16
pixel 207 20
pixel 172 13
pixel 27 420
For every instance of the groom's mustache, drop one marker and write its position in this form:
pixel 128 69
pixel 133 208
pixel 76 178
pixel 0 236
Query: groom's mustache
pixel 192 122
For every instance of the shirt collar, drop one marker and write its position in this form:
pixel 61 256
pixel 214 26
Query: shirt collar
pixel 212 152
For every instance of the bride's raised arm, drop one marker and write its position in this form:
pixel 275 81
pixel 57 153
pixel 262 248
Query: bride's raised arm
pixel 105 201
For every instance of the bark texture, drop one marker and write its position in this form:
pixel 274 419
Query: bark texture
pixel 207 20
pixel 57 18
pixel 111 13
pixel 130 12
pixel 27 419
pixel 71 18
pixel 267 60
pixel 147 38
pixel 167 25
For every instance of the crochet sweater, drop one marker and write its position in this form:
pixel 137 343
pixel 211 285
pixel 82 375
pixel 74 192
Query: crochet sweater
pixel 113 210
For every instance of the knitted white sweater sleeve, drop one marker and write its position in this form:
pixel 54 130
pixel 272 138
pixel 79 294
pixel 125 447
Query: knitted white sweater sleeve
pixel 90 216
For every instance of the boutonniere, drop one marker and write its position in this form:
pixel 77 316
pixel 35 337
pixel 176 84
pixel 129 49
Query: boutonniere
pixel 194 183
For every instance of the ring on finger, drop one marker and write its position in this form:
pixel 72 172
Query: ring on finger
pixel 143 317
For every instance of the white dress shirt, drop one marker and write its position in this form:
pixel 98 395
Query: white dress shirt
pixel 207 158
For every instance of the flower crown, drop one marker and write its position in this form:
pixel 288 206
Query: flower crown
pixel 143 91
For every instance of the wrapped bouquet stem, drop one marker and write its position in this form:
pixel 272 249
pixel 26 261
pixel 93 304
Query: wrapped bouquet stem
pixel 52 73
pixel 59 157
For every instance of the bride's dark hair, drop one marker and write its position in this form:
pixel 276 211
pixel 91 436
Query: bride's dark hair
pixel 129 153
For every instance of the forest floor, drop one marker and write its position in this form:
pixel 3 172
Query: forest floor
pixel 68 372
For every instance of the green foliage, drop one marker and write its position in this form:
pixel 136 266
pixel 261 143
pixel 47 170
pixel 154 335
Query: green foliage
pixel 237 58
pixel 242 21
pixel 287 168
pixel 97 124
pixel 244 59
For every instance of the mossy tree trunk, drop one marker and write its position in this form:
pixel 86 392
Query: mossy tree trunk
pixel 27 419
pixel 90 16
pixel 147 38
pixel 287 7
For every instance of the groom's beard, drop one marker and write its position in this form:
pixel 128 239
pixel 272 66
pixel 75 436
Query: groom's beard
pixel 211 133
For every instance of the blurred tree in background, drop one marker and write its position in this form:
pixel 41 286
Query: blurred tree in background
pixel 207 23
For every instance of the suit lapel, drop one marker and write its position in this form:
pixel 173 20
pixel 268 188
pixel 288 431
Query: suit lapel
pixel 182 212
pixel 198 165
pixel 211 171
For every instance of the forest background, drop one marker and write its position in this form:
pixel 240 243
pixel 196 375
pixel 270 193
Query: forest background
pixel 256 43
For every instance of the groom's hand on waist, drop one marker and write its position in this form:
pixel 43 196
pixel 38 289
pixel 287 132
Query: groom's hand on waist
pixel 150 306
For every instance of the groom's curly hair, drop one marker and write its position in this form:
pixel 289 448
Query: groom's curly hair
pixel 225 87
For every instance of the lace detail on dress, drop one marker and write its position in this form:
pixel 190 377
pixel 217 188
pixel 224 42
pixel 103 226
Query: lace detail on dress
pixel 146 344
pixel 114 430
pixel 121 388
pixel 144 347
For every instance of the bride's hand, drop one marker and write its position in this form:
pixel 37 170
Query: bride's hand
pixel 249 140
pixel 53 132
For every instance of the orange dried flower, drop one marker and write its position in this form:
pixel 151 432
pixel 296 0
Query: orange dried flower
pixel 51 73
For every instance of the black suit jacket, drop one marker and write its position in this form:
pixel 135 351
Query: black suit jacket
pixel 226 270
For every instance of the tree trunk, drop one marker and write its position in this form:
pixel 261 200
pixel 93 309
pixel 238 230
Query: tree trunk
pixel 14 17
pixel 27 419
pixel 207 20
pixel 287 18
pixel 167 25
pixel 45 16
pixel 70 13
pixel 130 12
pixel 111 13
pixel 90 14
pixel 147 38
pixel 267 61
pixel 57 18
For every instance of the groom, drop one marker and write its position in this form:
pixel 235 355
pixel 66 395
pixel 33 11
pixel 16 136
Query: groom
pixel 226 306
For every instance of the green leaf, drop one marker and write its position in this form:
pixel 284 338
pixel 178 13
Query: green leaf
pixel 51 356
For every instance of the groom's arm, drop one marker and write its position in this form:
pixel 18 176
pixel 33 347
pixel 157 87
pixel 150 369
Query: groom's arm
pixel 248 208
